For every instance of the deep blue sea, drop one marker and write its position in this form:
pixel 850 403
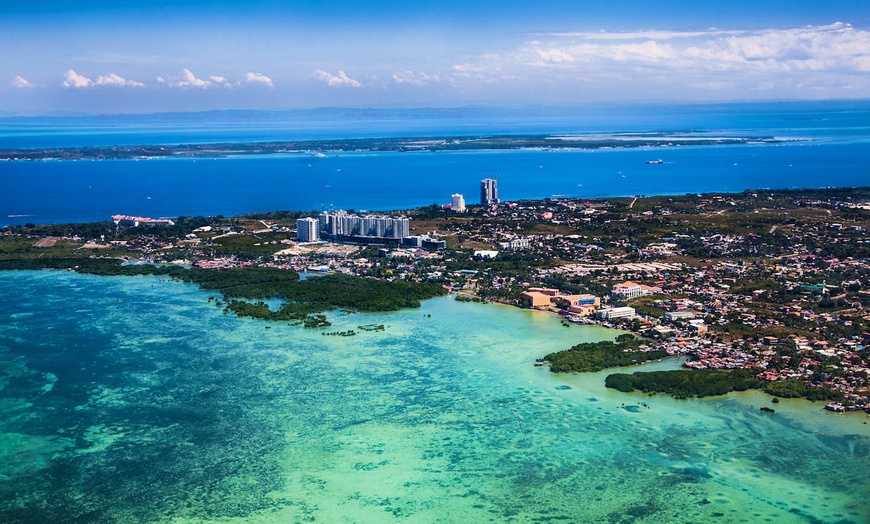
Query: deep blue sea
pixel 835 151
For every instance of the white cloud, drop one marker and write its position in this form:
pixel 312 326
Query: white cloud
pixel 160 80
pixel 114 80
pixel 71 79
pixel 339 80
pixel 188 79
pixel 258 78
pixel 19 82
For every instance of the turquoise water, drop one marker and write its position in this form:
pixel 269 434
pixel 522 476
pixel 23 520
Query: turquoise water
pixel 136 400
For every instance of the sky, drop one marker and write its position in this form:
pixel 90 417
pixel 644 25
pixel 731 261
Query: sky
pixel 123 56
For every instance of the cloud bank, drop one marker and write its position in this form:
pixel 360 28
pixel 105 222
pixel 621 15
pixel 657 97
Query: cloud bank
pixel 73 80
pixel 827 60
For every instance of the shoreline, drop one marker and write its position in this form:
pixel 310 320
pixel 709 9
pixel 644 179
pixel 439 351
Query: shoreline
pixel 406 209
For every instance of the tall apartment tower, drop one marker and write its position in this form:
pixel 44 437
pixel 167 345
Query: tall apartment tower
pixel 458 203
pixel 308 229
pixel 489 192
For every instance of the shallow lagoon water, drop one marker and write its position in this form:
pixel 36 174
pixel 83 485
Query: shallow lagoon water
pixel 136 400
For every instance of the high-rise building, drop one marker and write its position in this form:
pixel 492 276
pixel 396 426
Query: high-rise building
pixel 341 224
pixel 489 191
pixel 458 203
pixel 401 227
pixel 308 229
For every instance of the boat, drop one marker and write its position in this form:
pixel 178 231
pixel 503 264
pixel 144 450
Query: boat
pixel 657 161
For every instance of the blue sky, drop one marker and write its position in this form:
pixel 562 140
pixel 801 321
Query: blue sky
pixel 144 56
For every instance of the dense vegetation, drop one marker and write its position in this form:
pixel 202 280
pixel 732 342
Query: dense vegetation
pixel 685 383
pixel 314 295
pixel 302 297
pixel 595 356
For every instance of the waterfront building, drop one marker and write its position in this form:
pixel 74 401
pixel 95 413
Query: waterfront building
pixel 536 299
pixel 308 229
pixel 489 191
pixel 457 203
pixel 611 313
pixel 580 302
pixel 539 296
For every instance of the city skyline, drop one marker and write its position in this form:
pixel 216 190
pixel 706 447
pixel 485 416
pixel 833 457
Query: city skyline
pixel 129 57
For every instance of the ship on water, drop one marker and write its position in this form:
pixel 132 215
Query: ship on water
pixel 657 161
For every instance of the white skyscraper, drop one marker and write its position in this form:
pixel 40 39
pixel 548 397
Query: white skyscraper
pixel 489 191
pixel 401 227
pixel 308 229
pixel 458 203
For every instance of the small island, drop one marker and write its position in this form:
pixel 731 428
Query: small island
pixel 322 148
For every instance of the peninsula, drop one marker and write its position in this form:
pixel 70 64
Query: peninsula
pixel 754 290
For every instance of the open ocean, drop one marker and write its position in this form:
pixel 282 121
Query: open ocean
pixel 835 152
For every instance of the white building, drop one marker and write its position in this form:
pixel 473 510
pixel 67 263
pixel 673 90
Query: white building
pixel 457 203
pixel 401 227
pixel 519 243
pixel 615 312
pixel 308 229
pixel 679 315
pixel 628 290
pixel 340 223
pixel 489 191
